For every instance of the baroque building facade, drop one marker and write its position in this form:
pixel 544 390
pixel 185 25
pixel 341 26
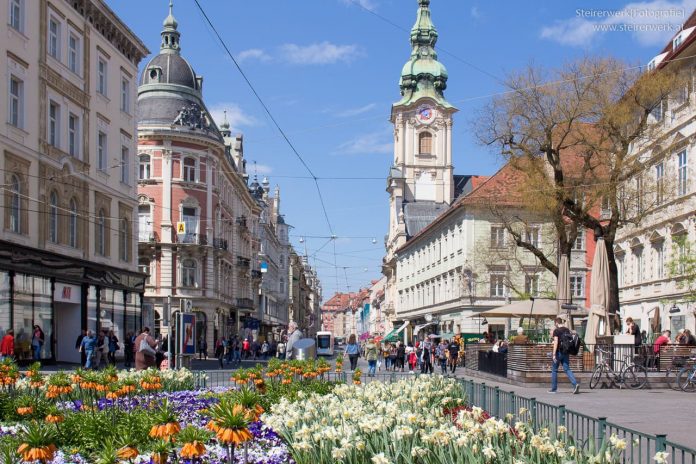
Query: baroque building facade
pixel 199 223
pixel 68 255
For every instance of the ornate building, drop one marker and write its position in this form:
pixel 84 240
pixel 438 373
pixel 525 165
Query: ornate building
pixel 198 220
pixel 67 245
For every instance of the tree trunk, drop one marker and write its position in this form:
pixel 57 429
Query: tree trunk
pixel 613 309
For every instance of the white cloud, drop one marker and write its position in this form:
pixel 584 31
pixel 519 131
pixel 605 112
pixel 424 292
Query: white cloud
pixel 369 4
pixel 366 144
pixel 651 23
pixel 253 54
pixel 237 117
pixel 356 111
pixel 475 13
pixel 319 53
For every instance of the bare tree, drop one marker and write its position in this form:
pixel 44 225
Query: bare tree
pixel 575 133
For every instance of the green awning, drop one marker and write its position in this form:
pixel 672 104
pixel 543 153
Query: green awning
pixel 393 335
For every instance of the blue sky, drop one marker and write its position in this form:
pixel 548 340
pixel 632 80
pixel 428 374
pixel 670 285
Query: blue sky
pixel 329 69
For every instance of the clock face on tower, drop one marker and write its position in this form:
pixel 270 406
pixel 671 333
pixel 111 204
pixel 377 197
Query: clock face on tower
pixel 425 114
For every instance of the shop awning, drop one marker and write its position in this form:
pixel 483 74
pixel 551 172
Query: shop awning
pixel 391 336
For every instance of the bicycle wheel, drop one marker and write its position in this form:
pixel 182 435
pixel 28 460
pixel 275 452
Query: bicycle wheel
pixel 635 377
pixel 596 376
pixel 686 380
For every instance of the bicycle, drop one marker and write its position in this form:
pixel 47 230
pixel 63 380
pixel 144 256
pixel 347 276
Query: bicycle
pixel 631 375
pixel 686 378
pixel 679 363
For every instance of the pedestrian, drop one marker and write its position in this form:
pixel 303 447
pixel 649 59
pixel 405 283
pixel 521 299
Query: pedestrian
pixel 236 351
pixel 220 352
pixel 371 355
pixel 384 351
pixel 441 354
pixel 102 351
pixel 145 350
pixel 663 339
pixel 412 358
pixel 113 347
pixel 245 348
pixel 164 365
pixel 128 353
pixel 281 350
pixel 37 342
pixel 353 352
pixel 202 348
pixel 426 357
pixel 520 338
pixel 255 348
pixel 294 335
pixel 264 350
pixel 7 345
pixel 453 350
pixel 561 357
pixel 78 346
pixel 392 357
pixel 689 339
pixel 400 355
pixel 89 345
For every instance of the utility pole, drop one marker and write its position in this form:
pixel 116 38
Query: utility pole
pixel 169 331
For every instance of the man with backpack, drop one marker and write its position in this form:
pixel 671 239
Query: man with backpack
pixel 564 343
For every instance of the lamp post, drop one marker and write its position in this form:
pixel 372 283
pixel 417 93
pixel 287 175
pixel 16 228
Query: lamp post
pixel 674 309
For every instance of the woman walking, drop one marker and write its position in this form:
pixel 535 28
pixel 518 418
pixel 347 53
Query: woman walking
pixel 371 354
pixel 353 351
pixel 37 341
pixel 113 347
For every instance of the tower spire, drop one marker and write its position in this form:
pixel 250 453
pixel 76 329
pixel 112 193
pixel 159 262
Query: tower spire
pixel 170 34
pixel 423 75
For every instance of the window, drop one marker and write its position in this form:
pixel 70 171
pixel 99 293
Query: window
pixel 659 260
pixel 659 183
pixel 125 95
pixel 531 285
pixel 15 205
pixel 54 124
pixel 100 231
pixel 639 194
pixel 144 167
pixel 282 262
pixel 144 223
pixel 579 244
pixel 189 170
pixel 72 225
pixel 577 286
pixel 190 218
pixel 188 273
pixel 677 42
pixel 101 151
pixel 497 237
pixel 497 285
pixel 73 135
pixel 620 270
pixel 101 76
pixel 425 143
pixel 281 285
pixel 682 171
pixel 123 252
pixel 125 165
pixel 53 218
pixel 74 53
pixel 657 112
pixel 638 263
pixel 16 110
pixel 17 15
pixel 534 235
pixel 681 95
pixel 54 38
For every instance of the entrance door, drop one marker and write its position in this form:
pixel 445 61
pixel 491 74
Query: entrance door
pixel 67 320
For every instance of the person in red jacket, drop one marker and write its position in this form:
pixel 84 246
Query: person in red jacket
pixel 7 345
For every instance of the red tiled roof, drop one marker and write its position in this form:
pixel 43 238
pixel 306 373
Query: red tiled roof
pixel 669 48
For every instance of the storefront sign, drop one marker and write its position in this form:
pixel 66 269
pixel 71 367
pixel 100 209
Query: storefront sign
pixel 181 228
pixel 263 266
pixel 66 293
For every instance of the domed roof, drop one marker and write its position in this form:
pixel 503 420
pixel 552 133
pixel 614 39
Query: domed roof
pixel 169 68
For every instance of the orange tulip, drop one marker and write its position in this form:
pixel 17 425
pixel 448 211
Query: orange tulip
pixel 23 411
pixel 54 419
pixel 192 450
pixel 127 452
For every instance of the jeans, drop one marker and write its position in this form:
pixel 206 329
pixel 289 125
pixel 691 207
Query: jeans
pixel 387 363
pixel 353 361
pixel 371 366
pixel 563 359
pixel 443 365
pixel 89 357
pixel 237 356
pixel 36 351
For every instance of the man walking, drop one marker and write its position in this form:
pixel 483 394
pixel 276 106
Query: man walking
pixel 561 357
pixel 294 335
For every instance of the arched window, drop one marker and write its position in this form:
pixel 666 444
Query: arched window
pixel 72 225
pixel 53 218
pixel 15 205
pixel 188 273
pixel 144 167
pixel 189 170
pixel 425 143
pixel 100 232
pixel 123 251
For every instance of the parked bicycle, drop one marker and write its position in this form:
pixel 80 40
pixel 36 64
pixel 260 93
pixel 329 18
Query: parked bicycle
pixel 679 364
pixel 686 378
pixel 631 375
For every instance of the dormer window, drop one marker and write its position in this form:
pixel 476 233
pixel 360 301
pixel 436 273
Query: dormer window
pixel 651 65
pixel 677 42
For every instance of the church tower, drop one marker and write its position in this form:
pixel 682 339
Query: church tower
pixel 421 181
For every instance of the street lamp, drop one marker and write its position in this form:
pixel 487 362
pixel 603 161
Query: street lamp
pixel 674 309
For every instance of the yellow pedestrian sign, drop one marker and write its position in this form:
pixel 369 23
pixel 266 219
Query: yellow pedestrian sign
pixel 181 228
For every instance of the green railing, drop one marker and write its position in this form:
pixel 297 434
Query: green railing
pixel 587 431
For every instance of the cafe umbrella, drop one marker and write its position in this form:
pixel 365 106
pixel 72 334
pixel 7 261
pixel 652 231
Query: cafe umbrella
pixel 599 294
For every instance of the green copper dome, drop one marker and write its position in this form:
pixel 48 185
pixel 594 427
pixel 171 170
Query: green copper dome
pixel 423 75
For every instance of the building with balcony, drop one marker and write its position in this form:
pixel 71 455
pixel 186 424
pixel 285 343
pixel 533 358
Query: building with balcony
pixel 649 254
pixel 304 298
pixel 68 245
pixel 198 221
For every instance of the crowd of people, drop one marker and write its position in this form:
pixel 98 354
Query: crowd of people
pixel 424 355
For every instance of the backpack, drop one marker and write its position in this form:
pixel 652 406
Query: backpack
pixel 569 343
